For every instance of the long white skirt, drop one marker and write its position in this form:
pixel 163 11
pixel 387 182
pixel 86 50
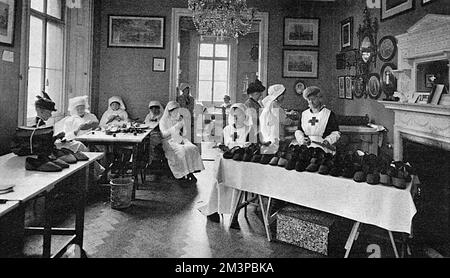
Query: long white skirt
pixel 182 158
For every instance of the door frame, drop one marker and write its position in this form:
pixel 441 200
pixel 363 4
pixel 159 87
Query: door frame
pixel 263 17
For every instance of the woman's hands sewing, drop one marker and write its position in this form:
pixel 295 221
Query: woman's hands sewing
pixel 86 126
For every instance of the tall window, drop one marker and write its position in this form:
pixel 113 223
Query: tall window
pixel 46 53
pixel 213 72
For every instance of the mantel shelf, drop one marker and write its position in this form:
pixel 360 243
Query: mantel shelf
pixel 417 107
pixel 441 53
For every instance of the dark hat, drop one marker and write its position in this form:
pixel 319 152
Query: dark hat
pixel 290 165
pixel 265 159
pixel 324 169
pixel 255 87
pixel 385 179
pixel 256 158
pixel 359 176
pixel 326 166
pixel 230 153
pixel 282 162
pixel 45 102
pixel 313 165
pixel 301 165
pixel 274 161
pixel 247 157
pixel 373 178
pixel 348 171
pixel 399 183
pixel 336 171
pixel 239 154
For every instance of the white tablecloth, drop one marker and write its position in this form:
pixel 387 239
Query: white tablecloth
pixel 386 207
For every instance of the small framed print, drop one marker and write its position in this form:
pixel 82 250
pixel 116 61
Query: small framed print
pixel 341 83
pixel 423 98
pixel 159 64
pixel 300 63
pixel 349 85
pixel 301 31
pixel 7 8
pixel 347 34
pixel 390 8
pixel 136 31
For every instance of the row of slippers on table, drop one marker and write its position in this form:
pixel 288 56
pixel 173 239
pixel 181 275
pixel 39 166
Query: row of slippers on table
pixel 58 160
pixel 359 166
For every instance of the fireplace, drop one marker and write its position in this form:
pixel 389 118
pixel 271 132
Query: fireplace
pixel 422 131
pixel 431 224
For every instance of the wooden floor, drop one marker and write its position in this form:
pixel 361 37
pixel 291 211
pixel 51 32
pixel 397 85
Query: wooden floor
pixel 165 223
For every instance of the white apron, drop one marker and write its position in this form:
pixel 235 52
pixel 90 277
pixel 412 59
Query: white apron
pixel 314 126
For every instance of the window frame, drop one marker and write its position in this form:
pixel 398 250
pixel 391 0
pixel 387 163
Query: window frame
pixel 27 13
pixel 213 58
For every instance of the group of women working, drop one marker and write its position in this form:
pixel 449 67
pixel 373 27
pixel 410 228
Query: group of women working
pixel 183 157
pixel 253 120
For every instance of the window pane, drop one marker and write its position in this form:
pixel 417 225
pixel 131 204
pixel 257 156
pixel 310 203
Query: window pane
pixel 54 8
pixel 220 90
pixel 206 49
pixel 54 86
pixel 222 50
pixel 204 91
pixel 35 59
pixel 205 70
pixel 37 5
pixel 54 47
pixel 34 89
pixel 221 71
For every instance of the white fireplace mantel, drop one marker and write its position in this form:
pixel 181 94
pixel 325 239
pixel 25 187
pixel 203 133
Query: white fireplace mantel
pixel 422 123
pixel 426 41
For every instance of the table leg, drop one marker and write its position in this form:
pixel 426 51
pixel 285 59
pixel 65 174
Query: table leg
pixel 79 220
pixel 135 174
pixel 235 211
pixel 47 234
pixel 265 213
pixel 393 244
pixel 351 238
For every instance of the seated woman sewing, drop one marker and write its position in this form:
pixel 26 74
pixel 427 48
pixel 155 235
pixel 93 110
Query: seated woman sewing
pixel 80 121
pixel 116 117
pixel 183 157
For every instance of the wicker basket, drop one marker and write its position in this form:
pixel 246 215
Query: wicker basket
pixel 121 190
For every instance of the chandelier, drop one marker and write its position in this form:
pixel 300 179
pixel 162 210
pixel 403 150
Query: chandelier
pixel 222 18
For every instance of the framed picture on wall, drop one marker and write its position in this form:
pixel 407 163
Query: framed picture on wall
pixel 7 22
pixel 301 31
pixel 300 63
pixel 136 31
pixel 389 8
pixel 341 86
pixel 349 84
pixel 159 64
pixel 347 33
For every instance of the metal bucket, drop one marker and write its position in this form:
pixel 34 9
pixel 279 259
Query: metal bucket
pixel 121 191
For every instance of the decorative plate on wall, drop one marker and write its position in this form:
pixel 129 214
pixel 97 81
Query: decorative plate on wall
pixel 373 86
pixel 299 87
pixel 387 47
